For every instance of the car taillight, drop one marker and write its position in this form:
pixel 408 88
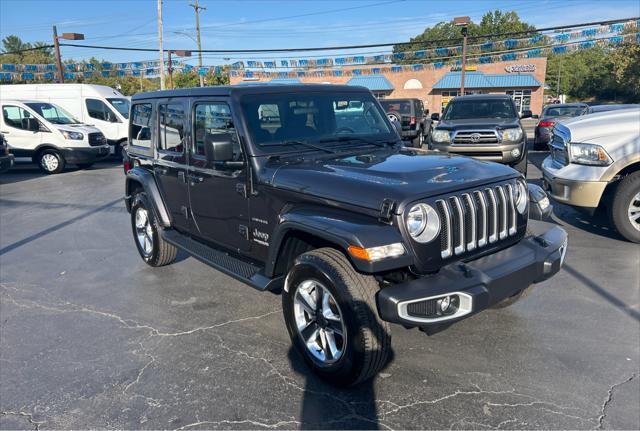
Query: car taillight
pixel 546 124
pixel 126 166
pixel 412 121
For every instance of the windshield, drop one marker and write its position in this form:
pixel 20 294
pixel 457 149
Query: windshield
pixel 122 105
pixel 52 113
pixel 478 108
pixel 564 111
pixel 323 118
pixel 403 107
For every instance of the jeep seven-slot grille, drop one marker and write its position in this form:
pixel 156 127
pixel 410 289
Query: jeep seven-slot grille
pixel 474 219
pixel 475 137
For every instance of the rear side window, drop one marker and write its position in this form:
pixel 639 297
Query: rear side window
pixel 140 125
pixel 172 127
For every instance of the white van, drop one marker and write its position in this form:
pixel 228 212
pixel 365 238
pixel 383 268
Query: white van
pixel 49 135
pixel 97 105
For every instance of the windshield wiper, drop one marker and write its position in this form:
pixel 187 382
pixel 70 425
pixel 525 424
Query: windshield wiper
pixel 298 142
pixel 357 139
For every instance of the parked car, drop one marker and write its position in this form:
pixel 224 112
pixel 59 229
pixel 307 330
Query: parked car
pixel 594 109
pixel 49 135
pixel 551 115
pixel 6 158
pixel 484 126
pixel 412 116
pixel 356 229
pixel 98 105
pixel 595 162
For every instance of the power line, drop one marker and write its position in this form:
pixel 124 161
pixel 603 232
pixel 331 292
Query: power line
pixel 20 51
pixel 379 45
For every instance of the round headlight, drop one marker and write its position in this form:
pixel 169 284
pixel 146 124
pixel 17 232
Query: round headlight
pixel 521 197
pixel 423 223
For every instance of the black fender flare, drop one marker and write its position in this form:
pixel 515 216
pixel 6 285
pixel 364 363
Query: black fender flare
pixel 339 227
pixel 148 182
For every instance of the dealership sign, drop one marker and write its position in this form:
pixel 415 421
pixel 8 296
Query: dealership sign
pixel 515 68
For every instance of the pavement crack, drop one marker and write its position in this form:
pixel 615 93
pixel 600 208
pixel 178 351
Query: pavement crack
pixel 141 372
pixel 609 398
pixel 26 415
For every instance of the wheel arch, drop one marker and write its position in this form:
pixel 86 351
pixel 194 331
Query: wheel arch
pixel 139 178
pixel 615 179
pixel 42 147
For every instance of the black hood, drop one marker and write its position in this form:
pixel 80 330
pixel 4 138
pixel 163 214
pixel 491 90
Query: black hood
pixel 403 176
pixel 479 123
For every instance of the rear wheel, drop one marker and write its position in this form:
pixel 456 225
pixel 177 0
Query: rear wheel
pixel 51 161
pixel 418 141
pixel 154 250
pixel 625 208
pixel 330 313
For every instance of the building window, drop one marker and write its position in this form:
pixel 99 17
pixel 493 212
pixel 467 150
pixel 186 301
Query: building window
pixel 413 84
pixel 522 99
pixel 380 94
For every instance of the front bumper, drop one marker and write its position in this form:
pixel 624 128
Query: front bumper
pixel 500 153
pixel 85 154
pixel 6 162
pixel 479 283
pixel 573 184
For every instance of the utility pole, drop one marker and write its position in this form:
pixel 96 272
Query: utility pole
pixel 559 75
pixel 56 45
pixel 196 7
pixel 160 48
pixel 170 70
pixel 463 21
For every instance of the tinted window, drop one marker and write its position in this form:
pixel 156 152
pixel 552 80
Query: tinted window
pixel 172 127
pixel 214 119
pixel 564 111
pixel 14 116
pixel 465 109
pixel 98 110
pixel 140 125
pixel 401 107
pixel 314 117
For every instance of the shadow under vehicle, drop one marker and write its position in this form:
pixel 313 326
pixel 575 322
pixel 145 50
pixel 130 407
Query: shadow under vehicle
pixel 328 207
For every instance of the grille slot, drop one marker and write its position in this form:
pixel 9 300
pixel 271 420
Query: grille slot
pixel 475 137
pixel 96 139
pixel 474 219
pixel 423 308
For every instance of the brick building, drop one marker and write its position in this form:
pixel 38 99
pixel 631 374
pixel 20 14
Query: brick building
pixel 523 79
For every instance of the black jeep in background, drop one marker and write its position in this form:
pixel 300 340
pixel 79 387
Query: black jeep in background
pixel 484 126
pixel 307 189
pixel 414 119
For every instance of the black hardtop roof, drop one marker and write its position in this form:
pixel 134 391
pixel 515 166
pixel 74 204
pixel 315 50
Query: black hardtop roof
pixel 257 88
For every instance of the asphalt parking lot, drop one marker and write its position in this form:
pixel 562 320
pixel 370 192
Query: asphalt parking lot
pixel 91 337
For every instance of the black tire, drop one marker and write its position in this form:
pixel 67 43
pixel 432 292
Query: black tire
pixel 507 302
pixel 624 195
pixel 418 141
pixel 47 164
pixel 84 165
pixel 521 166
pixel 161 252
pixel 367 345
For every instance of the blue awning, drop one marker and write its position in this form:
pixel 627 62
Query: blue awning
pixel 372 82
pixel 452 80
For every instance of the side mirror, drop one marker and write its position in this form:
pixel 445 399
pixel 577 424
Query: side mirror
pixel 218 149
pixel 435 116
pixel 426 112
pixel 526 114
pixel 31 124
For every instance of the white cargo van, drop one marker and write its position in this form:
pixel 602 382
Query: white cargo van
pixel 97 105
pixel 49 135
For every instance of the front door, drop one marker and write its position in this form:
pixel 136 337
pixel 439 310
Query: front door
pixel 170 167
pixel 101 115
pixel 217 191
pixel 20 139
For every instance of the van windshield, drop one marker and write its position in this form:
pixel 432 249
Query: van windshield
pixel 319 118
pixel 121 105
pixel 52 113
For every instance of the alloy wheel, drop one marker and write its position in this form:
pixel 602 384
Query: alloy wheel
pixel 633 211
pixel 144 231
pixel 319 322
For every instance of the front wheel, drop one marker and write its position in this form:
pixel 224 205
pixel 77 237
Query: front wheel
pixel 51 162
pixel 330 313
pixel 625 208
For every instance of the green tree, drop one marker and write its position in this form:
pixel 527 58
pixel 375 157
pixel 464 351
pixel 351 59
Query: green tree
pixel 13 44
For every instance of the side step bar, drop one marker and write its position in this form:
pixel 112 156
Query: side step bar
pixel 237 268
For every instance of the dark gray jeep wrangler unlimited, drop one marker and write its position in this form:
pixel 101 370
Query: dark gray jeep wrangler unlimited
pixel 307 189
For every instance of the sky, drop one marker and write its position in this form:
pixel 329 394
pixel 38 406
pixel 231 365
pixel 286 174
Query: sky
pixel 264 24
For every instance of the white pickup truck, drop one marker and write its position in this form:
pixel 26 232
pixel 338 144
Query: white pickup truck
pixel 595 162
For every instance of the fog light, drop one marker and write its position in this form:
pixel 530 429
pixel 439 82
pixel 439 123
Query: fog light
pixel 448 304
pixel 515 152
pixel 444 304
pixel 544 203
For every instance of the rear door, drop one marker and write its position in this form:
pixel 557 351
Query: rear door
pixel 217 191
pixel 170 165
